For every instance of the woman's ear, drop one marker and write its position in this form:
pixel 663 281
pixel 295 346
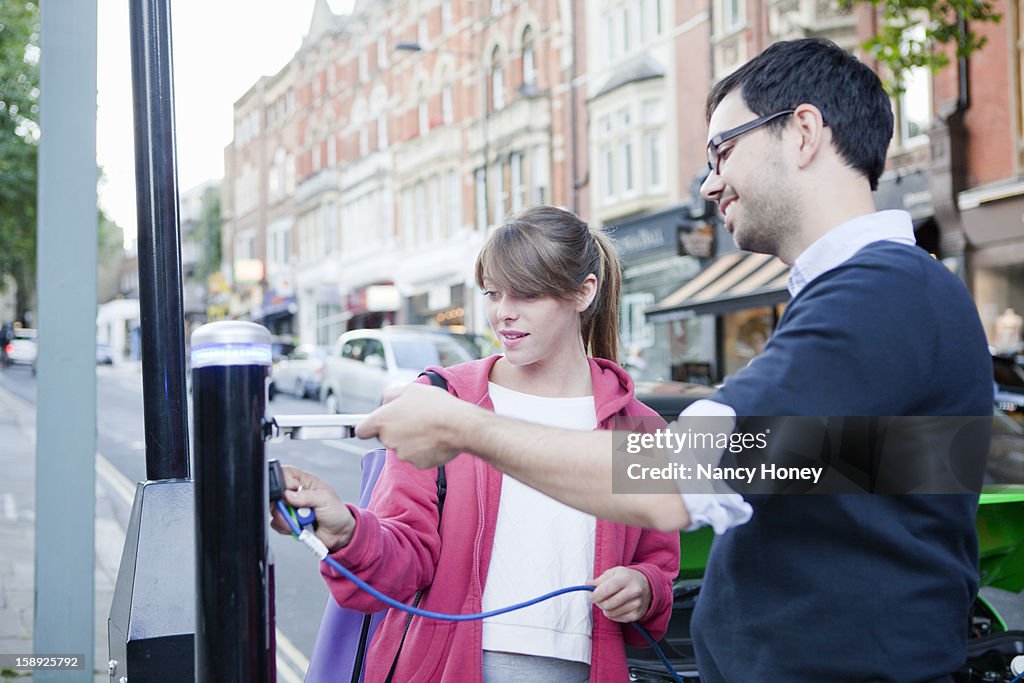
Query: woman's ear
pixel 588 290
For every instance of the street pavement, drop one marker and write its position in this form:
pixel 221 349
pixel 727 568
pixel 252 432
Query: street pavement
pixel 17 536
pixel 120 463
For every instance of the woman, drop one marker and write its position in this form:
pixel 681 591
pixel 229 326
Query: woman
pixel 551 286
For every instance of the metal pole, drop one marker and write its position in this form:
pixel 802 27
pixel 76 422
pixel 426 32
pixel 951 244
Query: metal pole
pixel 66 409
pixel 234 596
pixel 156 191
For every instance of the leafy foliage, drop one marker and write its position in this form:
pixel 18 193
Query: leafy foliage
pixel 207 235
pixel 19 135
pixel 901 45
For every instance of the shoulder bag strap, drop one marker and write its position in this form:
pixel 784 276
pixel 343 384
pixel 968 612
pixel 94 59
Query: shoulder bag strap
pixel 442 491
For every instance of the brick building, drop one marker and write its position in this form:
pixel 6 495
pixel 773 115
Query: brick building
pixel 364 175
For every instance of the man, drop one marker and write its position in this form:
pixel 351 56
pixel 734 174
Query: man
pixel 811 588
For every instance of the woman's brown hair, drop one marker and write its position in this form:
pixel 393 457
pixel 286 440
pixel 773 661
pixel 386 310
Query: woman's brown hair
pixel 546 251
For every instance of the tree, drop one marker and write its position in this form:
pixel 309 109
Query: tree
pixel 19 138
pixel 207 234
pixel 946 25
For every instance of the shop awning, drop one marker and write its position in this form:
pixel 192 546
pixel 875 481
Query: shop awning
pixel 732 282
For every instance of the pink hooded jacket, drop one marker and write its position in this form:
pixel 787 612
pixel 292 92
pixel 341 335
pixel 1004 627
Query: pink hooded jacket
pixel 397 549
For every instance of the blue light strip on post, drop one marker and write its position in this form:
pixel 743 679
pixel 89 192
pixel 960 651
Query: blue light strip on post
pixel 231 354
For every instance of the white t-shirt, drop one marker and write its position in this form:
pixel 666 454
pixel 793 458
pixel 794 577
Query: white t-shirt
pixel 540 545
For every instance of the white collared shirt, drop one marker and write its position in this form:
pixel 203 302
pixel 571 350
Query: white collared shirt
pixel 838 245
pixel 831 250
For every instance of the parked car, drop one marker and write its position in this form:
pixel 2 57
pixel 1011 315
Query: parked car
pixel 21 350
pixel 1008 376
pixel 103 355
pixel 363 363
pixel 300 373
pixel 1000 523
pixel 281 346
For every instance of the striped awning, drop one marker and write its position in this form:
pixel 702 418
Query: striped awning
pixel 732 282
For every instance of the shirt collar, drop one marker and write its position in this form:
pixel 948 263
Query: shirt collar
pixel 839 244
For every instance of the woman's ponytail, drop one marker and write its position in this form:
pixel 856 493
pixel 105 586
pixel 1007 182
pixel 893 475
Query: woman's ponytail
pixel 601 324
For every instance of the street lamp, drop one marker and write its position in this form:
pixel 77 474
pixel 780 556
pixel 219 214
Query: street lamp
pixel 406 46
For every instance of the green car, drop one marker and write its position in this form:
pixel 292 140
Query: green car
pixel 1000 524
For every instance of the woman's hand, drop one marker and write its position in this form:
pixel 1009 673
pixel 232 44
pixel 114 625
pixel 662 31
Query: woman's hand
pixel 623 594
pixel 334 521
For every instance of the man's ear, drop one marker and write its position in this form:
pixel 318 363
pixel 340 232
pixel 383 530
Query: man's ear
pixel 588 290
pixel 814 135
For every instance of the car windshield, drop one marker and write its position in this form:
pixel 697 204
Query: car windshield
pixel 416 354
pixel 1009 374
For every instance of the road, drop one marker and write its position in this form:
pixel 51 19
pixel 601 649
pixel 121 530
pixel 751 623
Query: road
pixel 301 593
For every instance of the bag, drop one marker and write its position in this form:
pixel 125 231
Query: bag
pixel 339 654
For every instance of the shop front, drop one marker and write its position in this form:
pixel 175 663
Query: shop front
pixel 440 305
pixel 720 320
pixel 992 219
pixel 654 262
pixel 373 306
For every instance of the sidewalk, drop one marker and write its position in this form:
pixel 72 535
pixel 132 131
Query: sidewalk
pixel 17 540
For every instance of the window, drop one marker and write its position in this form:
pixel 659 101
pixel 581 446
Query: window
pixel 653 118
pixel 480 190
pixel 915 103
pixel 316 157
pixel 626 161
pixel 363 71
pixel 730 13
pixel 353 349
pixel 497 82
pixel 330 220
pixel 408 218
pixel 446 13
pixel 447 114
pixel 423 115
pixel 332 151
pixel 382 131
pixel 517 182
pixel 652 161
pixel 421 213
pixel 436 217
pixel 608 172
pixel 500 193
pixel 625 36
pixel 538 174
pixel 636 331
pixel 364 140
pixel 453 194
pixel 529 65
pixel 421 31
pixel 609 37
pixel 382 51
pixel 650 19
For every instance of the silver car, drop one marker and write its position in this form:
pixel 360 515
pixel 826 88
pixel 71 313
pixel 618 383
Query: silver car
pixel 363 363
pixel 300 373
pixel 21 350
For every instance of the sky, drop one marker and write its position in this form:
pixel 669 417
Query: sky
pixel 220 49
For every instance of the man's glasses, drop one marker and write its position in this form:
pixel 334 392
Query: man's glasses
pixel 715 152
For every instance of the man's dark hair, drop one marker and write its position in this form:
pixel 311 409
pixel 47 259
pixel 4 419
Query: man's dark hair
pixel 816 71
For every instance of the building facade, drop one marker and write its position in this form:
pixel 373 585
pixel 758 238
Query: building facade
pixel 365 175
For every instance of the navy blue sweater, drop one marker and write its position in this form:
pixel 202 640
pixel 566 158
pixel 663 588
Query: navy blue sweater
pixel 853 587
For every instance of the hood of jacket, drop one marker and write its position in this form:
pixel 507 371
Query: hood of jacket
pixel 613 387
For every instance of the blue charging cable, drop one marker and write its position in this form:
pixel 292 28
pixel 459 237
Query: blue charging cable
pixel 304 534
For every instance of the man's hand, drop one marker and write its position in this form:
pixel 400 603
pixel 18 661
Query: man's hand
pixel 421 423
pixel 334 521
pixel 623 594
